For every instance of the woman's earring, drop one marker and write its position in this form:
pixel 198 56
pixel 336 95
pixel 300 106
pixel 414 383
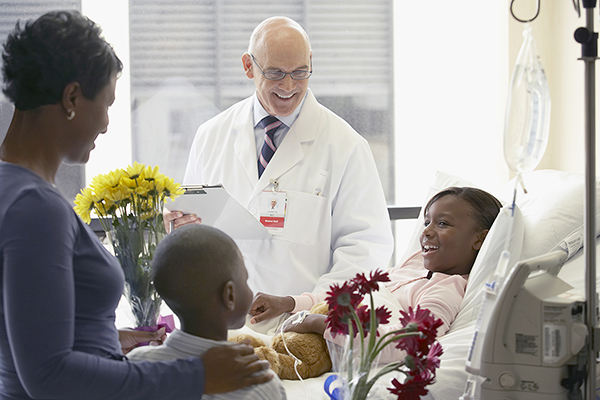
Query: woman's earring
pixel 71 115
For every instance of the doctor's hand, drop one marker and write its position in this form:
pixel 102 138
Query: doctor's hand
pixel 179 219
pixel 228 368
pixel 267 306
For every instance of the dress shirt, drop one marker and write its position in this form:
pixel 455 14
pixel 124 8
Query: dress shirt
pixel 259 133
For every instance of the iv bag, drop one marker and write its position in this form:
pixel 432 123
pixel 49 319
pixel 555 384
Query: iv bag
pixel 527 119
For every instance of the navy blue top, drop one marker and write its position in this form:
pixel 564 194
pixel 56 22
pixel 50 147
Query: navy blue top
pixel 59 291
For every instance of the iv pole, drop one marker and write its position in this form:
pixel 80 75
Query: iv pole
pixel 589 53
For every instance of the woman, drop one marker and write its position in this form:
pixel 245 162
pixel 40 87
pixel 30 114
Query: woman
pixel 59 286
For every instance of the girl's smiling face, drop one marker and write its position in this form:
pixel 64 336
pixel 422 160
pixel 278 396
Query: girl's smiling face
pixel 450 240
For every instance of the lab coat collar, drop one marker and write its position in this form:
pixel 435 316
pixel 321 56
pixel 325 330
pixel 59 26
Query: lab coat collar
pixel 290 150
pixel 245 145
pixel 260 112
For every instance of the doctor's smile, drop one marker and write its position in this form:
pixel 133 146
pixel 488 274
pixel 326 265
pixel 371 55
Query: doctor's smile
pixel 284 97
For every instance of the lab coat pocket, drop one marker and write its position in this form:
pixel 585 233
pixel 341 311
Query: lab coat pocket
pixel 303 216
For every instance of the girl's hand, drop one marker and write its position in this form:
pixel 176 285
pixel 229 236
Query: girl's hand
pixel 313 323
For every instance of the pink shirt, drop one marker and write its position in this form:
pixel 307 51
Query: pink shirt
pixel 441 294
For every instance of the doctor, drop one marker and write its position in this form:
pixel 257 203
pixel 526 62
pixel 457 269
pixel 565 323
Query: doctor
pixel 333 220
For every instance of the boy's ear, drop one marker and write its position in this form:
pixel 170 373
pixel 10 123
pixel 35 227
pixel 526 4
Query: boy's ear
pixel 229 296
pixel 479 239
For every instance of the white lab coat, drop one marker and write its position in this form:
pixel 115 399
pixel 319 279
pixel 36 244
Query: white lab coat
pixel 327 238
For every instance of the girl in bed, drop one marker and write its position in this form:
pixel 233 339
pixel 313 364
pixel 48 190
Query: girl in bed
pixel 456 222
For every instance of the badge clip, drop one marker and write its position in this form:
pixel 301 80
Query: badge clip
pixel 275 184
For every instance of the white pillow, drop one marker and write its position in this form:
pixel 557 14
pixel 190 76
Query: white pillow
pixel 487 260
pixel 552 208
pixel 552 213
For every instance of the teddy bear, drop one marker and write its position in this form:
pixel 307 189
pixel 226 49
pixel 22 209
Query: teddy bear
pixel 309 348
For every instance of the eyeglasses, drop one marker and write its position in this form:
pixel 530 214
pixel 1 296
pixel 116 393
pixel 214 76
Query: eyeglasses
pixel 279 75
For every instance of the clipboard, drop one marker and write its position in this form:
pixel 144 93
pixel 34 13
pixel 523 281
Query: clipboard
pixel 219 209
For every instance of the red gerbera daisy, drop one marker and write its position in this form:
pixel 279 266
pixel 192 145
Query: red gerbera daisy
pixel 367 285
pixel 419 320
pixel 412 388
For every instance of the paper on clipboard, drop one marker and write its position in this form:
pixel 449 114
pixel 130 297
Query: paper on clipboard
pixel 219 209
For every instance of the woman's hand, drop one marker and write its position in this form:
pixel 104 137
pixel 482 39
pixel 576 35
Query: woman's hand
pixel 267 306
pixel 178 219
pixel 130 338
pixel 313 323
pixel 232 367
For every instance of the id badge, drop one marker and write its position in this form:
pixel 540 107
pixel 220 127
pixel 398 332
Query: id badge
pixel 272 211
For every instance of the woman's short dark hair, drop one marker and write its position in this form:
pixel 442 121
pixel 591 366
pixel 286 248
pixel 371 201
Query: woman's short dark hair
pixel 47 54
pixel 485 206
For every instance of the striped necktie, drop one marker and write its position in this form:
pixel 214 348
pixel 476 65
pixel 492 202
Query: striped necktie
pixel 270 125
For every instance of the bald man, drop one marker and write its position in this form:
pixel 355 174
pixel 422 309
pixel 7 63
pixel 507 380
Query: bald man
pixel 331 221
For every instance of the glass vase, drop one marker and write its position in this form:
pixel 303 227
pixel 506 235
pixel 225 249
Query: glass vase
pixel 353 370
pixel 134 248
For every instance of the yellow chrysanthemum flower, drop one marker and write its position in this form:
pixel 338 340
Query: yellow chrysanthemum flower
pixel 152 173
pixel 135 170
pixel 113 178
pixel 118 194
pixel 138 189
pixel 84 205
pixel 141 190
pixel 128 183
pixel 172 189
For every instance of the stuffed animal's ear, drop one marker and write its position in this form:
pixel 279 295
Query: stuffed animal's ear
pixel 243 337
pixel 265 353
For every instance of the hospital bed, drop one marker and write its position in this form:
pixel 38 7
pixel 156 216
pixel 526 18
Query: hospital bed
pixel 550 213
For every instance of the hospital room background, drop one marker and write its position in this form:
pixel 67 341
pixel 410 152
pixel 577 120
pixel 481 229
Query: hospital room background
pixel 425 82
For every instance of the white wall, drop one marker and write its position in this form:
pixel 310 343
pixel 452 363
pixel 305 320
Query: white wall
pixel 113 149
pixel 450 90
pixel 451 80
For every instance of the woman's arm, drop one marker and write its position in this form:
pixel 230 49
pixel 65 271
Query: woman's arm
pixel 37 243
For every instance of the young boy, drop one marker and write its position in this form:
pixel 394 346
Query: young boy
pixel 199 272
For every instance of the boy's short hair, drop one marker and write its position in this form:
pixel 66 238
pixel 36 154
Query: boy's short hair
pixel 192 264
